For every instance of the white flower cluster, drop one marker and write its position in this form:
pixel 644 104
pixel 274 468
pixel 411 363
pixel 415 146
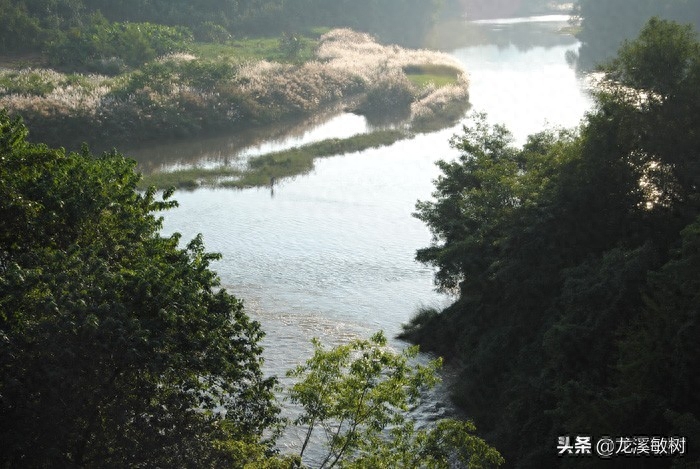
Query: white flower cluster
pixel 178 57
pixel 358 54
pixel 436 99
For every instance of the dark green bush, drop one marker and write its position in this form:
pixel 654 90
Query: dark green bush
pixel 20 32
pixel 291 45
pixel 161 76
pixel 211 32
pixel 106 47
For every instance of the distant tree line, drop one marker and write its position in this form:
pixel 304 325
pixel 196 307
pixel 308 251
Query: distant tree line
pixel 606 24
pixel 32 25
pixel 576 260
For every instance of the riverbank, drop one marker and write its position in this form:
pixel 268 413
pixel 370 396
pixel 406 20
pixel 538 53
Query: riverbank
pixel 218 89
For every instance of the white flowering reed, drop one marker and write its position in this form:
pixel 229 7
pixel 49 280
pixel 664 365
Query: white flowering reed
pixel 47 92
pixel 346 63
pixel 437 99
pixel 358 54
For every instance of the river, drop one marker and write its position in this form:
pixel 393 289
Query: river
pixel 331 254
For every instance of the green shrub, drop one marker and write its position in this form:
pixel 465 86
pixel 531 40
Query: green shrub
pixel 291 45
pixel 163 76
pixel 19 32
pixel 106 47
pixel 420 318
pixel 211 32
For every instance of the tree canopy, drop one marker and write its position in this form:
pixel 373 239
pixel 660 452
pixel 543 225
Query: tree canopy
pixel 35 25
pixel 605 25
pixel 359 395
pixel 574 261
pixel 118 347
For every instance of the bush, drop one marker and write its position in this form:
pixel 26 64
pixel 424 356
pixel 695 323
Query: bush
pixel 359 394
pixel 102 45
pixel 20 32
pixel 422 316
pixel 211 32
pixel 291 45
pixel 390 96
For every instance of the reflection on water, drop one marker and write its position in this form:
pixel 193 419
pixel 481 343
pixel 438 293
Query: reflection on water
pixel 526 20
pixel 234 149
pixel 520 77
pixel 522 34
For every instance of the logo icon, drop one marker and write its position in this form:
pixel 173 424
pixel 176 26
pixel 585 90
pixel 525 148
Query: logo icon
pixel 605 447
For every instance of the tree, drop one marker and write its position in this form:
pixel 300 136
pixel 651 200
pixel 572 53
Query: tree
pixel 359 394
pixel 565 257
pixel 118 347
pixel 657 121
pixel 20 31
pixel 606 25
pixel 660 355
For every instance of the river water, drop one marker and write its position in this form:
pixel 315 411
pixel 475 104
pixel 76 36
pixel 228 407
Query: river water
pixel 331 254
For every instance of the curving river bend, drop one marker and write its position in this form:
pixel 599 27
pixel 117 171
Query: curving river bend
pixel 331 254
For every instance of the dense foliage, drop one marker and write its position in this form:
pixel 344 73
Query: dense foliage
pixel 118 349
pixel 605 25
pixel 358 396
pixel 576 262
pixel 110 48
pixel 34 25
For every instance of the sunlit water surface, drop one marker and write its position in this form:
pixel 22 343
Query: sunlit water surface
pixel 331 254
